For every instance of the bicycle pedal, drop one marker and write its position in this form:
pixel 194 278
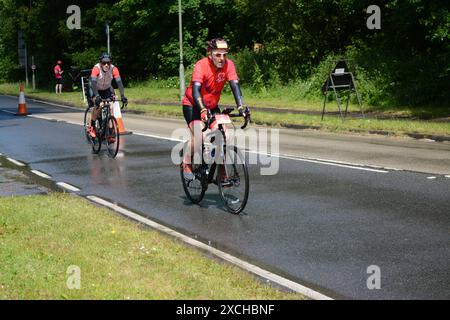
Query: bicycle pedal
pixel 227 184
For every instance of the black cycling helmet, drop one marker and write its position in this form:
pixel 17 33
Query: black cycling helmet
pixel 105 57
pixel 217 43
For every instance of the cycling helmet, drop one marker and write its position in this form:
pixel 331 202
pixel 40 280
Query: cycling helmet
pixel 105 57
pixel 217 43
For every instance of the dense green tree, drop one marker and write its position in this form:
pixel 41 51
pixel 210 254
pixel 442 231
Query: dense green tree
pixel 406 61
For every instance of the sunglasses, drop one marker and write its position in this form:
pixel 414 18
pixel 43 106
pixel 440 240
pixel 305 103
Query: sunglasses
pixel 220 55
pixel 106 63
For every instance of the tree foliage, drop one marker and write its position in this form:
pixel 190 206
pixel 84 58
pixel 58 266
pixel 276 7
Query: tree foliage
pixel 407 61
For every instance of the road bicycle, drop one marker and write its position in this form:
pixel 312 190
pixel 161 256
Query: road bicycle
pixel 227 167
pixel 106 128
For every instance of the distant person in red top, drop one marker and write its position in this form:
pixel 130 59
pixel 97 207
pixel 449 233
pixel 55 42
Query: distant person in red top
pixel 203 94
pixel 58 77
pixel 102 75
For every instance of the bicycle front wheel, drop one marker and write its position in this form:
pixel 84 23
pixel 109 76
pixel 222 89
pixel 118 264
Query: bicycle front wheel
pixel 87 123
pixel 233 180
pixel 112 137
pixel 194 184
pixel 96 142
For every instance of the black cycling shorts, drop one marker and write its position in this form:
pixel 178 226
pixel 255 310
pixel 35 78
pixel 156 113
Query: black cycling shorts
pixel 58 80
pixel 191 113
pixel 106 94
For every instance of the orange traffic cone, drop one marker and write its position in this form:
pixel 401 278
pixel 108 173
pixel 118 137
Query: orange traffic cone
pixel 22 110
pixel 118 116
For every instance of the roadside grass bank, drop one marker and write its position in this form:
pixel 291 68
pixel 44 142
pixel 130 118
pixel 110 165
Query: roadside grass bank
pixel 331 123
pixel 43 236
pixel 153 99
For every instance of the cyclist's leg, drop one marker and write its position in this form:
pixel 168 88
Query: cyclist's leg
pixel 195 124
pixel 104 94
pixel 57 85
pixel 94 114
pixel 110 94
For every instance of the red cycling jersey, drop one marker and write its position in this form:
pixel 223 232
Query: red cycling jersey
pixel 212 80
pixel 57 70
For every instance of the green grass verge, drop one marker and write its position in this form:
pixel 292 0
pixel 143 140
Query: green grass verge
pixel 152 91
pixel 41 236
pixel 330 123
pixel 72 98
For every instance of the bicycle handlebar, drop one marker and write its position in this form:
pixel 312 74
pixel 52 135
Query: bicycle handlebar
pixel 247 118
pixel 108 101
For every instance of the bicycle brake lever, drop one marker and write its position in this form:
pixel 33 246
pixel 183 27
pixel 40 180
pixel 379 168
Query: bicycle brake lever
pixel 208 121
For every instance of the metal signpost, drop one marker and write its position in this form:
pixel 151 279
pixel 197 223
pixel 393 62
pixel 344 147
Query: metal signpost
pixel 23 61
pixel 180 26
pixel 107 38
pixel 33 68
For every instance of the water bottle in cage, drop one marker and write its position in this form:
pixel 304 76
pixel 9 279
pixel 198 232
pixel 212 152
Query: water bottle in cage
pixel 209 153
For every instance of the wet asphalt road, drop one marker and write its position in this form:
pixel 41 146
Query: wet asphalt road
pixel 322 226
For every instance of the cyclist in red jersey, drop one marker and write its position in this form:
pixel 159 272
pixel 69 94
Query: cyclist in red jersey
pixel 203 94
pixel 102 75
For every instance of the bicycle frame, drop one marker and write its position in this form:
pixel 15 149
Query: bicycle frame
pixel 105 112
pixel 205 172
pixel 221 128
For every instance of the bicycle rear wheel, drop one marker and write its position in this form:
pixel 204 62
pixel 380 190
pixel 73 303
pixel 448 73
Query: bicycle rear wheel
pixel 233 180
pixel 112 136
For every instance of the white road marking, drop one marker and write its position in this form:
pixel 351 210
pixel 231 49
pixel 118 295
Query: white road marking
pixel 7 111
pixel 223 255
pixel 325 162
pixel 431 178
pixel 17 163
pixel 290 157
pixel 57 120
pixel 54 104
pixel 41 174
pixel 44 102
pixel 68 186
pixel 156 137
pixel 448 176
